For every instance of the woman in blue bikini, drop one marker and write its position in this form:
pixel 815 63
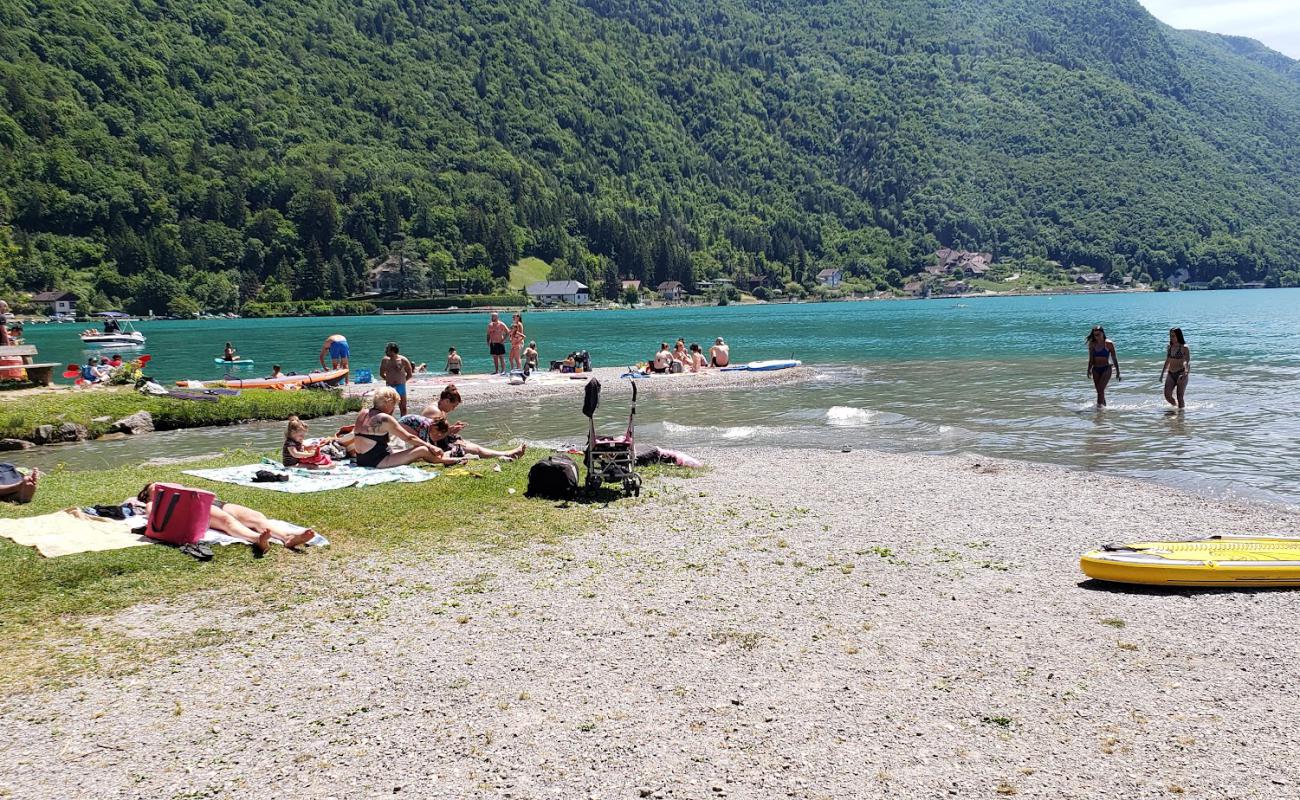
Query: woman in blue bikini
pixel 1101 356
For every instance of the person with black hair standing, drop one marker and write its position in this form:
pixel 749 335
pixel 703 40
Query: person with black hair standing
pixel 1176 369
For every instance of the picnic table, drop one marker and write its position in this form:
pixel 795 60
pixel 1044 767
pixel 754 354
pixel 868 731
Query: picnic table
pixel 36 373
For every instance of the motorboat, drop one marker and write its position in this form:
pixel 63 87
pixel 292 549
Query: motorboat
pixel 118 332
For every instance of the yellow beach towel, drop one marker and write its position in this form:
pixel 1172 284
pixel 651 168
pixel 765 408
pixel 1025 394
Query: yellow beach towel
pixel 61 534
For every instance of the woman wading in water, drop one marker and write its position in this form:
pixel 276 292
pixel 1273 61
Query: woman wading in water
pixel 1178 365
pixel 1101 355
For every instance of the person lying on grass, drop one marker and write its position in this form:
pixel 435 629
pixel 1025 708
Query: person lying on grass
pixel 450 439
pixel 375 426
pixel 18 488
pixel 245 523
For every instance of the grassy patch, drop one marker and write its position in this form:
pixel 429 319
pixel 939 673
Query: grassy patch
pixel 20 416
pixel 48 606
pixel 528 270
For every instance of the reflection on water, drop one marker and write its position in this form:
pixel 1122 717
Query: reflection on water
pixel 1002 377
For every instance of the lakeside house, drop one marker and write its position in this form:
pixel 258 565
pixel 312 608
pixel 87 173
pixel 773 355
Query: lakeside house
pixel 59 303
pixel 553 292
pixel 830 277
pixel 960 262
pixel 671 291
pixel 1089 279
pixel 385 274
pixel 633 285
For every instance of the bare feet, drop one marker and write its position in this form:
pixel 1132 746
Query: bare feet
pixel 518 451
pixel 263 542
pixel 298 540
pixel 27 489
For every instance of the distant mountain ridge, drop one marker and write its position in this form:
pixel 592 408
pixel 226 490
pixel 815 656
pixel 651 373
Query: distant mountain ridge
pixel 177 154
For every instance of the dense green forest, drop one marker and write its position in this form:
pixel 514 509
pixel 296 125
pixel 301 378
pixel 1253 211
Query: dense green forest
pixel 178 154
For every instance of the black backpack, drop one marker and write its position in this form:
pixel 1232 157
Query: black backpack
pixel 555 478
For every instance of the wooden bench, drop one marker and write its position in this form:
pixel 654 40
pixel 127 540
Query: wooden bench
pixel 36 373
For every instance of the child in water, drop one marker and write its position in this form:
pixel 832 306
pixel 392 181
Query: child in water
pixel 297 454
pixel 530 358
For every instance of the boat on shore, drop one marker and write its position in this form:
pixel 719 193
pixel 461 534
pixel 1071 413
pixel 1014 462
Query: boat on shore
pixel 332 377
pixel 1215 561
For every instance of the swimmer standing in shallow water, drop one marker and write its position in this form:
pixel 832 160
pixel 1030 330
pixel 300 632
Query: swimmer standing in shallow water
pixel 336 347
pixel 1101 354
pixel 1177 368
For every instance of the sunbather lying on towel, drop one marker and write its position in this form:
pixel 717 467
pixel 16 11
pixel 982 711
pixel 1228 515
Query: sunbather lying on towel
pixel 376 425
pixel 16 487
pixel 245 523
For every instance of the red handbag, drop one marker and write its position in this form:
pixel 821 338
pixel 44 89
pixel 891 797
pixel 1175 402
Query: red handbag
pixel 177 514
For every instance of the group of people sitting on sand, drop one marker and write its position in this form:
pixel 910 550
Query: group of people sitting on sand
pixel 429 436
pixel 689 359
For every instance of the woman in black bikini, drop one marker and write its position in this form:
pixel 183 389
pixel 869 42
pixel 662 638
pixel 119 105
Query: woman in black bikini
pixel 1101 355
pixel 374 427
pixel 1178 365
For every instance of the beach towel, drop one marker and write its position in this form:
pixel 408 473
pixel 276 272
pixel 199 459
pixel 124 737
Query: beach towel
pixel 62 534
pixel 302 481
pixel 217 537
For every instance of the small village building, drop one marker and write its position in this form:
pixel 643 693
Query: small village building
pixel 671 290
pixel 960 262
pixel 60 303
pixel 553 292
pixel 385 274
pixel 830 277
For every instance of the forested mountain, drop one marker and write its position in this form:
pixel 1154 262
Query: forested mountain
pixel 163 153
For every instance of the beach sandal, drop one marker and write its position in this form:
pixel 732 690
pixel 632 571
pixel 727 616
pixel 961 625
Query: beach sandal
pixel 197 550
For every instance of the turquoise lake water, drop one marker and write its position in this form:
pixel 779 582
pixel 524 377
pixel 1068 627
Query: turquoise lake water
pixel 996 376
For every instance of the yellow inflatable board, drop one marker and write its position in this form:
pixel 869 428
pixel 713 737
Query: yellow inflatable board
pixel 1216 561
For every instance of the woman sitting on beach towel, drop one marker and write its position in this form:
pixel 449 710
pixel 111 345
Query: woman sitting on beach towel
pixel 376 425
pixel 245 523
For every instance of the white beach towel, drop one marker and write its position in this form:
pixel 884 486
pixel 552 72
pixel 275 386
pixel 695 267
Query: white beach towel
pixel 302 481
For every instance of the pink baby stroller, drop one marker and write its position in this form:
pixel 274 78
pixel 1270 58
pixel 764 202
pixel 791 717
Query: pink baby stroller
pixel 610 459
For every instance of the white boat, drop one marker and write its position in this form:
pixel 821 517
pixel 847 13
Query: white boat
pixel 124 336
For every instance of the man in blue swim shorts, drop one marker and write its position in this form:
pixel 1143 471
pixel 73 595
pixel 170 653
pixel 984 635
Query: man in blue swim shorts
pixel 396 369
pixel 336 345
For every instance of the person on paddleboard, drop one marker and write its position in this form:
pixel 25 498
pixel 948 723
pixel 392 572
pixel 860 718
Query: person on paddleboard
pixel 1101 356
pixel 229 353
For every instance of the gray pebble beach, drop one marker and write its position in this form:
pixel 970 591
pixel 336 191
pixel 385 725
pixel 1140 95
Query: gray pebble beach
pixel 827 625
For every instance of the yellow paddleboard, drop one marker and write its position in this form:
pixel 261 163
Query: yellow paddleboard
pixel 1216 561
